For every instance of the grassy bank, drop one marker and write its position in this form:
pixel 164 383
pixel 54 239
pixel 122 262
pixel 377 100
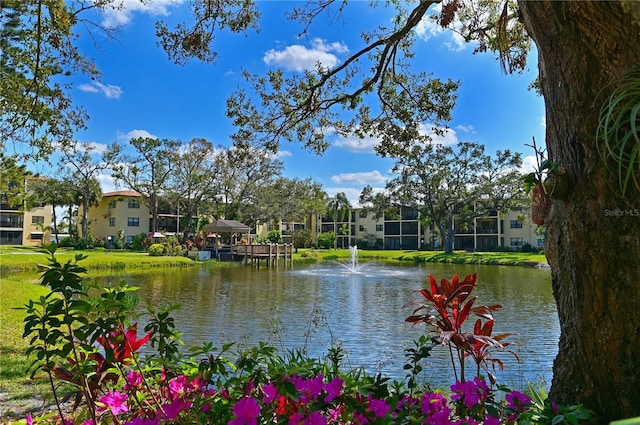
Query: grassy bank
pixel 17 259
pixel 457 257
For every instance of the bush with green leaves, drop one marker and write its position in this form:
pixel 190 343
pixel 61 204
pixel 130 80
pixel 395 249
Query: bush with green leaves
pixel 326 239
pixel 140 242
pixel 157 250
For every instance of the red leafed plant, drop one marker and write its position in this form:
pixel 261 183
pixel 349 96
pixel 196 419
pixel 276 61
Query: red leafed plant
pixel 447 307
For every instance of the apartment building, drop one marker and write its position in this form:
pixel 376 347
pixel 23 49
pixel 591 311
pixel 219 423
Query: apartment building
pixel 403 229
pixel 119 212
pixel 19 226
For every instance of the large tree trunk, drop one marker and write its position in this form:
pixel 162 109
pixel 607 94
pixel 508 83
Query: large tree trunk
pixel 584 47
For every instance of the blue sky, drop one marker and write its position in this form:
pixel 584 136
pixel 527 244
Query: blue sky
pixel 142 93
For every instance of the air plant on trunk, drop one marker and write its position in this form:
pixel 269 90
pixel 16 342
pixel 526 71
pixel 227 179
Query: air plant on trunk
pixel 618 133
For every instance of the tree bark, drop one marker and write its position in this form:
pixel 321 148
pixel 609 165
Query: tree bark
pixel 593 235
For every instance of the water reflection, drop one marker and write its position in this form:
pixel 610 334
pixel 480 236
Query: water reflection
pixel 316 306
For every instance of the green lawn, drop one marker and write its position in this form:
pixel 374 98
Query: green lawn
pixel 457 257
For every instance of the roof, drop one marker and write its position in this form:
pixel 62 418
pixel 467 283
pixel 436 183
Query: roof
pixel 131 193
pixel 226 226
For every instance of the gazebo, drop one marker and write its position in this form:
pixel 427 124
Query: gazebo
pixel 226 226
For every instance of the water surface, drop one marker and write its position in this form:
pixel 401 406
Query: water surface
pixel 315 307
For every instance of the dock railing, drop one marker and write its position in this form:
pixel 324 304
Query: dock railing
pixel 271 253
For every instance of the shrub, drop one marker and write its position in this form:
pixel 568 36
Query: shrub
pixel 326 239
pixel 140 242
pixel 156 250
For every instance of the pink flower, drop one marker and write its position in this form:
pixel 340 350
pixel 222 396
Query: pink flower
pixel 334 414
pixel 115 401
pixel 134 379
pixel 177 385
pixel 333 389
pixel 29 420
pixel 246 410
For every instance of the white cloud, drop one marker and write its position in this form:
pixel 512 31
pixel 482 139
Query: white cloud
pixel 134 134
pixel 429 28
pixel 301 58
pixel 283 154
pixel 354 143
pixel 123 13
pixel 110 91
pixel 543 121
pixel 98 148
pixel 107 183
pixel 367 178
pixel 529 164
pixel 449 136
pixel 353 194
pixel 466 128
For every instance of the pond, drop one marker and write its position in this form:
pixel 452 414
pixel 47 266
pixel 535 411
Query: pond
pixel 319 306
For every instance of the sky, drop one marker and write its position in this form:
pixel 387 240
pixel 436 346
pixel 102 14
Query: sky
pixel 141 93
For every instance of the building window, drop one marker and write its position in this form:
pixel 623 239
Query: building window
pixel 133 222
pixel 112 204
pixel 362 228
pixel 37 219
pixel 362 214
pixel 129 240
pixel 112 222
pixel 379 227
pixel 541 242
pixel 133 203
pixel 37 236
pixel 517 242
pixel 515 224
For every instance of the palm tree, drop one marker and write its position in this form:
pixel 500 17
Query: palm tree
pixel 338 205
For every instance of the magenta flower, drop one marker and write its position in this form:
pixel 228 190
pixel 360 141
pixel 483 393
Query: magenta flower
pixel 378 407
pixel 296 419
pixel 114 401
pixel 517 401
pixel 333 389
pixel 315 418
pixel 470 392
pixel 270 392
pixel 432 403
pixel 29 419
pixel 172 410
pixel 490 420
pixel 246 410
pixel 143 421
pixel 309 388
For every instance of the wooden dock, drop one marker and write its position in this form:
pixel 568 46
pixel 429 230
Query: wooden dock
pixel 270 253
